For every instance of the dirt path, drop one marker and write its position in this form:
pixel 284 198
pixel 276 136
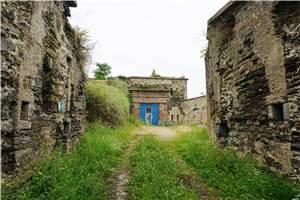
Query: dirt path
pixel 188 178
pixel 162 132
pixel 123 174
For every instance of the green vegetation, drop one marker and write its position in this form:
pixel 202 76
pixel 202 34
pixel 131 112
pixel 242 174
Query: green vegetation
pixel 155 173
pixel 102 71
pixel 150 86
pixel 234 177
pixel 107 102
pixel 80 174
pixel 85 46
pixel 154 74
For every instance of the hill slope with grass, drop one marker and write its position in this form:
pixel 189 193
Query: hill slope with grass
pixel 107 102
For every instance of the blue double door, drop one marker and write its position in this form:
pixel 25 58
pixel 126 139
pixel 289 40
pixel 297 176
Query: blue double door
pixel 149 113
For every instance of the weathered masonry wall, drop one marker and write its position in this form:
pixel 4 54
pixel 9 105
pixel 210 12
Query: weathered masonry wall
pixel 253 81
pixel 176 86
pixel 165 91
pixel 42 84
pixel 160 97
pixel 190 111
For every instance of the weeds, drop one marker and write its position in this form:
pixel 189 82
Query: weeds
pixel 155 174
pixel 80 174
pixel 234 177
pixel 105 103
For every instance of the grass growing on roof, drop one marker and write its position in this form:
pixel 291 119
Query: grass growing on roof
pixel 155 173
pixel 80 174
pixel 234 177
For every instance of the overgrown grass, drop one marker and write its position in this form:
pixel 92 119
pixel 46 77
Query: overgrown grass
pixel 234 177
pixel 107 102
pixel 80 174
pixel 155 173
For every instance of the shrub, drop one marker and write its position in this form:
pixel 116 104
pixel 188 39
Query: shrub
pixel 106 103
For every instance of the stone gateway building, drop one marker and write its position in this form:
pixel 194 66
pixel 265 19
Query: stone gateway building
pixel 160 100
pixel 253 81
pixel 153 97
pixel 42 82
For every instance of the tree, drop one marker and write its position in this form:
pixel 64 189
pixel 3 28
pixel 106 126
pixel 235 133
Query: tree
pixel 103 71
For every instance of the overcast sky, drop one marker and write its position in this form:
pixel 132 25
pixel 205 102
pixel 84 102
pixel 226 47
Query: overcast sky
pixel 137 36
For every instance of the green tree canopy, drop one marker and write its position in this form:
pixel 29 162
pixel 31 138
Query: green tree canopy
pixel 103 71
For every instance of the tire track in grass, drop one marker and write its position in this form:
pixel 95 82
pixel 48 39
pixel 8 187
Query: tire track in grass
pixel 119 191
pixel 191 179
pixel 155 173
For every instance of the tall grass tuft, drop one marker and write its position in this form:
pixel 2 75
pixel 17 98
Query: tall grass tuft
pixel 107 102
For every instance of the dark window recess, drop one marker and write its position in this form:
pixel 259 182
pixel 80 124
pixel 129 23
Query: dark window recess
pixel 148 110
pixel 223 130
pixel 69 61
pixel 24 110
pixel 47 83
pixel 47 63
pixel 171 91
pixel 67 128
pixel 172 117
pixel 177 117
pixel 276 111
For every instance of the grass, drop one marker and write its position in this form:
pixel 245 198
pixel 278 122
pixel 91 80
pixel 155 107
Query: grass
pixel 80 174
pixel 107 102
pixel 155 173
pixel 234 177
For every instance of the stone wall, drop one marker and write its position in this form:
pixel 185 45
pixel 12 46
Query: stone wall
pixel 42 83
pixel 160 97
pixel 165 91
pixel 176 86
pixel 190 111
pixel 253 81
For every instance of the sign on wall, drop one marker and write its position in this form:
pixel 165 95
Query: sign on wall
pixel 61 106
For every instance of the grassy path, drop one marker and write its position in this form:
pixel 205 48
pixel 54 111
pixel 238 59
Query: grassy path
pixel 122 175
pixel 154 157
pixel 155 173
pixel 154 163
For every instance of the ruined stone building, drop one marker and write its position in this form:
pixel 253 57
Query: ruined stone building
pixel 190 111
pixel 159 100
pixel 42 82
pixel 253 81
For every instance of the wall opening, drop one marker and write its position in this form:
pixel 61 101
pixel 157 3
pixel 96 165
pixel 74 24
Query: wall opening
pixel 177 117
pixel 47 86
pixel 171 91
pixel 223 130
pixel 172 118
pixel 67 128
pixel 275 111
pixel 24 110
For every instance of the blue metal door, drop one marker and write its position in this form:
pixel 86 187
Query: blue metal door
pixel 149 113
